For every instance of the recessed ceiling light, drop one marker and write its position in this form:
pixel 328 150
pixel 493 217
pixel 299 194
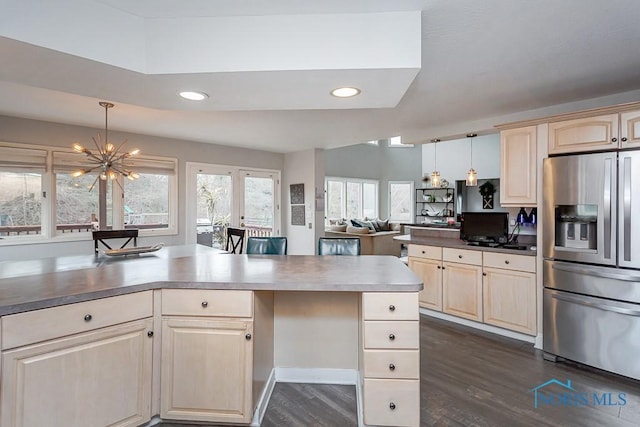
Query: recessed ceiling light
pixel 345 92
pixel 193 95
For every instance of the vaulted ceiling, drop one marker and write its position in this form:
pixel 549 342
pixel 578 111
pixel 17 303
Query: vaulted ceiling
pixel 426 69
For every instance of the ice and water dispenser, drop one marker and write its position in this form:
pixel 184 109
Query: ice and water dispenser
pixel 576 226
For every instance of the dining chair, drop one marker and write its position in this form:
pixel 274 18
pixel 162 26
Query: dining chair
pixel 267 245
pixel 101 236
pixel 235 240
pixel 338 246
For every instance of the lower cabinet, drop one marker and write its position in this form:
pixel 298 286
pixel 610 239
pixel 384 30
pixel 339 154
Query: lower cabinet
pixel 103 376
pixel 430 271
pixel 207 355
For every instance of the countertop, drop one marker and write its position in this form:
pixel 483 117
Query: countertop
pixel 459 244
pixel 48 282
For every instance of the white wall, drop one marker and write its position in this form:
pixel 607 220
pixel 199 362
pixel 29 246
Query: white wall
pixel 453 158
pixel 53 134
pixel 303 167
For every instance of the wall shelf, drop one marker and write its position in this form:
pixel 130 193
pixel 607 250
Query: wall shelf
pixel 434 203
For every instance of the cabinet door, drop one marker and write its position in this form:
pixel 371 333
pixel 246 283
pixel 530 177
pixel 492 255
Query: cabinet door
pixel 462 290
pixel 587 134
pixel 518 171
pixel 99 378
pixel 206 370
pixel 510 299
pixel 630 129
pixel 430 271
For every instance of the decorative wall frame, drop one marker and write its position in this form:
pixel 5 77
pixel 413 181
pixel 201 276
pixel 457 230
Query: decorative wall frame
pixel 297 215
pixel 297 194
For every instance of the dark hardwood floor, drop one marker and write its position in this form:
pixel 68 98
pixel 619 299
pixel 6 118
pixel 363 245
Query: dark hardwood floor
pixel 470 378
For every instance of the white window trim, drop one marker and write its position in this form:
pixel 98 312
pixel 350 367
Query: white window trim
pixel 343 208
pixel 393 144
pixel 48 232
pixel 412 199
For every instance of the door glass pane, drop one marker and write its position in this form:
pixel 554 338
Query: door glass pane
pixel 146 201
pixel 213 208
pixel 400 202
pixel 354 198
pixel 258 206
pixel 20 203
pixel 335 200
pixel 370 200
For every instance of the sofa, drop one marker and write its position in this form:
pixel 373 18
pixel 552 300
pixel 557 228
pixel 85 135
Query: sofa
pixel 371 242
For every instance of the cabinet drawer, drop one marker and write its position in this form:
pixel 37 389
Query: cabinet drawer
pixel 390 306
pixel 399 364
pixel 391 402
pixel 207 302
pixel 463 256
pixel 421 251
pixel 393 335
pixel 55 322
pixel 510 262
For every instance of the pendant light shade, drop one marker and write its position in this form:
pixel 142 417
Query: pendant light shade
pixel 472 175
pixel 435 175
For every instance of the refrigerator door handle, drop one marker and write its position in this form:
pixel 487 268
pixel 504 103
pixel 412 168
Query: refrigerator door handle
pixel 608 170
pixel 596 272
pixel 599 306
pixel 626 201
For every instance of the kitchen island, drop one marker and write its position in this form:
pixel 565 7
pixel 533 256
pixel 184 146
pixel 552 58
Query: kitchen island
pixel 190 334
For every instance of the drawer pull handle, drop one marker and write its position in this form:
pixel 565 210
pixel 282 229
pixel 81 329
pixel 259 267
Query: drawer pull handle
pixel 506 261
pixel 88 317
pixel 392 406
pixel 460 256
pixel 392 307
pixel 150 334
pixel 247 337
pixel 204 304
pixel 392 337
pixel 392 367
pixel 423 252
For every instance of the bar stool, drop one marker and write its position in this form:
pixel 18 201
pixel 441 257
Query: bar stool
pixel 339 246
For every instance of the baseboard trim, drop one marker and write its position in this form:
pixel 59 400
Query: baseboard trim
pixel 263 401
pixel 538 343
pixel 317 376
pixel 481 326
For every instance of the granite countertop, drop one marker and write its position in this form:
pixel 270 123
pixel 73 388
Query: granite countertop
pixel 35 284
pixel 460 244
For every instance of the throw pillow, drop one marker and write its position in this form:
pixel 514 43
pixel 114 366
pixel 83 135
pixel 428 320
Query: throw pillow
pixel 358 230
pixel 366 224
pixel 342 227
pixel 384 225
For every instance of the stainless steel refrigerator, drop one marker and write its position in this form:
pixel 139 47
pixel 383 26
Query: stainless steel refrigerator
pixel 591 268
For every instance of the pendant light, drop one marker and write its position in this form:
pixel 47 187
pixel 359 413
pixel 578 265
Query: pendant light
pixel 472 175
pixel 435 175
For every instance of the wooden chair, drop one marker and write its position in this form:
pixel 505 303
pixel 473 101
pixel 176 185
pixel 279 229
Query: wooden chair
pixel 101 236
pixel 267 245
pixel 235 240
pixel 339 246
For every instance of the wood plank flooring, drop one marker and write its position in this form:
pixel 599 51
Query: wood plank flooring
pixel 468 378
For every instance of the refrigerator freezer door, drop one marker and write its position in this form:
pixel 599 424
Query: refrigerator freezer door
pixel 580 194
pixel 629 209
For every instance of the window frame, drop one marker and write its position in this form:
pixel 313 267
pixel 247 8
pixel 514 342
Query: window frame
pixel 412 201
pixel 343 209
pixel 396 142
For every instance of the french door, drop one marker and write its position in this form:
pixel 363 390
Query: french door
pixel 222 196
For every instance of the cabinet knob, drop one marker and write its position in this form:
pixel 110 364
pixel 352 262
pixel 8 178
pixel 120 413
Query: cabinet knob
pixel 443 267
pixel 392 337
pixel 392 367
pixel 247 337
pixel 423 252
pixel 614 139
pixel 439 267
pixel 392 406
pixel 506 261
pixel 392 307
pixel 624 139
pixel 460 256
pixel 88 317
pixel 484 274
pixel 205 304
pixel 150 334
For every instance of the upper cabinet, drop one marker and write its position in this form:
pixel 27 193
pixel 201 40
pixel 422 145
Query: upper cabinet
pixel 630 129
pixel 518 171
pixel 605 132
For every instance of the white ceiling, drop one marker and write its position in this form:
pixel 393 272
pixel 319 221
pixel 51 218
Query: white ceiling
pixel 430 68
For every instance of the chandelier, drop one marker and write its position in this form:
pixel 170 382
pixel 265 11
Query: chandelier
pixel 108 160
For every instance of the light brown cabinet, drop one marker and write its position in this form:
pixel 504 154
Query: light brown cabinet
pixel 462 290
pixel 518 171
pixel 207 355
pixel 102 374
pixel 426 263
pixel 630 129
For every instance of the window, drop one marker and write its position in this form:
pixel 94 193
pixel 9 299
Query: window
pixel 401 201
pixel 396 142
pixel 351 198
